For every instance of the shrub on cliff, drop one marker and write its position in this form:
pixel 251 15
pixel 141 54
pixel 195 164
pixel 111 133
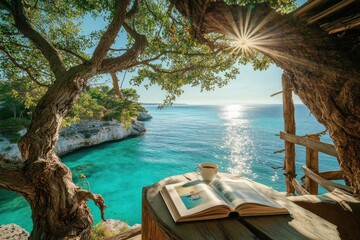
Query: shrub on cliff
pixel 101 103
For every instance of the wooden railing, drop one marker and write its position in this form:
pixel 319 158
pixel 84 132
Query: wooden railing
pixel 313 177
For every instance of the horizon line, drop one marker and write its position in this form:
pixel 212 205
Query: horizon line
pixel 216 104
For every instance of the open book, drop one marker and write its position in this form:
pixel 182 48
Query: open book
pixel 192 201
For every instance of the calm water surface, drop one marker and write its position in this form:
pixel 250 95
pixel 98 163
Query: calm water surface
pixel 240 138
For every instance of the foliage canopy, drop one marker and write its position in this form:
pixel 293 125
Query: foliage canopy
pixel 171 59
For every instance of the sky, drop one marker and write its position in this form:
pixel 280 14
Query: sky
pixel 249 87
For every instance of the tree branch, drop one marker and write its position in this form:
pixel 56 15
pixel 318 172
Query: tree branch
pixel 16 44
pixel 83 195
pixel 25 69
pixel 50 53
pixel 171 6
pixel 133 9
pixel 128 59
pixel 72 53
pixel 108 38
pixel 148 8
pixel 176 52
pixel 158 70
pixel 12 177
pixel 118 49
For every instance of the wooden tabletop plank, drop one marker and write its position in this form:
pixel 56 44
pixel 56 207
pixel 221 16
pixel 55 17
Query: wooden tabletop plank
pixel 301 224
pixel 212 229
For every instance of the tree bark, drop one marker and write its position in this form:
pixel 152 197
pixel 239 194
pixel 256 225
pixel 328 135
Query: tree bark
pixel 115 82
pixel 326 75
pixel 59 207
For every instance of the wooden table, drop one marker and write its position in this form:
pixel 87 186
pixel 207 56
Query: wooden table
pixel 157 223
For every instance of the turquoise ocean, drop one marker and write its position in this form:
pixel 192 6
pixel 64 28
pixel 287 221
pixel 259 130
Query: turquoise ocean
pixel 241 139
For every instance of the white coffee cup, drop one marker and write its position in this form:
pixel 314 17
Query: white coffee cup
pixel 207 170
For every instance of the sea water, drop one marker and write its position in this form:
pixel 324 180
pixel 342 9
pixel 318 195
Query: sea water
pixel 241 139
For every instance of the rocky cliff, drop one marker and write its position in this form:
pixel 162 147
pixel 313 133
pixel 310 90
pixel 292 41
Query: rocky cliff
pixel 82 134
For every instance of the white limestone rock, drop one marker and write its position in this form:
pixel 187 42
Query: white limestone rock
pixel 9 150
pixel 82 134
pixel 13 231
pixel 91 133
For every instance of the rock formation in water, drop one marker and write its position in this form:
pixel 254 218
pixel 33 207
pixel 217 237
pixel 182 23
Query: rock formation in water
pixel 82 134
pixel 144 116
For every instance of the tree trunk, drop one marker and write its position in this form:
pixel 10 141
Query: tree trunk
pixel 326 76
pixel 115 82
pixel 59 207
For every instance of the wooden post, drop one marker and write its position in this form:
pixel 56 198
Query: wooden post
pixel 312 162
pixel 289 127
pixel 299 189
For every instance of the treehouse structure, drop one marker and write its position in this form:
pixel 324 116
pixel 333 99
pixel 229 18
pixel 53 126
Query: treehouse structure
pixel 342 20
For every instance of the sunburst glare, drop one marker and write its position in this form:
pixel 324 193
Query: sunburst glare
pixel 246 35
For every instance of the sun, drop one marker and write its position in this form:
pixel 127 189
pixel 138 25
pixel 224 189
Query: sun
pixel 243 42
pixel 246 37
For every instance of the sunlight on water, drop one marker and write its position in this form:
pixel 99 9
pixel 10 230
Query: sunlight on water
pixel 233 112
pixel 237 140
pixel 275 177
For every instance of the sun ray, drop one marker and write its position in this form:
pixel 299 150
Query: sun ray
pixel 250 33
pixel 231 21
pixel 248 14
pixel 281 55
pixel 265 20
pixel 241 24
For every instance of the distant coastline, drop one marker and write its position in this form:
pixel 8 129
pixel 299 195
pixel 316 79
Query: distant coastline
pixel 215 104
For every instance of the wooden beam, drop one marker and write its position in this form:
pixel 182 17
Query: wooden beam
pixel 289 125
pixel 298 188
pixel 274 94
pixel 307 6
pixel 313 144
pixel 330 10
pixel 342 24
pixel 312 162
pixel 328 185
pixel 350 25
pixel 332 175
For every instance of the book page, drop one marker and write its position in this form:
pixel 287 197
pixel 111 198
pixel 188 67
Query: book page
pixel 238 192
pixel 194 198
